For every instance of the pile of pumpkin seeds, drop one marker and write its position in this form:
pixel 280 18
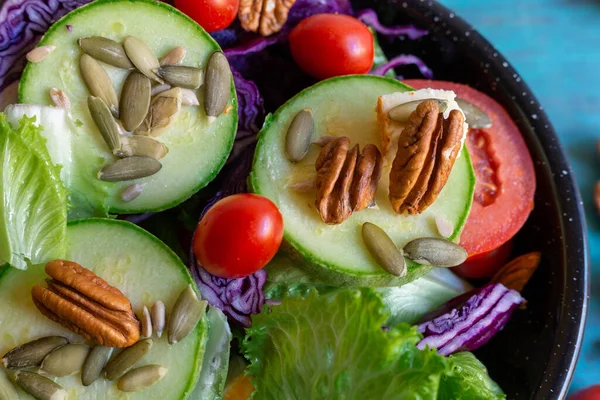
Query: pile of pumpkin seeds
pixel 151 97
pixel 36 362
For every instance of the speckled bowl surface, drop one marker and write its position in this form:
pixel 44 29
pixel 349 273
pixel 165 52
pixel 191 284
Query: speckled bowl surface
pixel 535 355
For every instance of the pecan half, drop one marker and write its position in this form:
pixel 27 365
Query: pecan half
pixel 264 16
pixel 518 272
pixel 427 150
pixel 84 303
pixel 346 179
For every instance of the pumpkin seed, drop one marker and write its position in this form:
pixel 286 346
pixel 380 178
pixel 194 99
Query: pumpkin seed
pixel 299 136
pixel 32 353
pixel 174 56
pixel 130 193
pixel 187 311
pixel 127 169
pixel 159 89
pixel 7 389
pixel 106 50
pixel 142 146
pixel 94 364
pixel 436 252
pixel 189 98
pixel 146 323
pixel 135 100
pixel 445 228
pixel 59 98
pixel 125 360
pixel 106 123
pixel 474 116
pixel 163 110
pixel 39 53
pixel 39 386
pixel 383 249
pixel 401 112
pixel 66 360
pixel 98 83
pixel 158 314
pixel 142 378
pixel 217 86
pixel 323 141
pixel 142 56
pixel 185 77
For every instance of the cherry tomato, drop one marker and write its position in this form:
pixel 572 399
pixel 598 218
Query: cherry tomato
pixel 326 45
pixel 238 236
pixel 504 171
pixel 212 15
pixel 590 393
pixel 485 265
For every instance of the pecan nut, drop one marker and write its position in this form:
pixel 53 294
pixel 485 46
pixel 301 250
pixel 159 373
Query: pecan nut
pixel 346 179
pixel 84 303
pixel 427 150
pixel 264 16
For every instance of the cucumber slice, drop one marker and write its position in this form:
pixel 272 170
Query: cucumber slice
pixel 197 149
pixel 335 254
pixel 145 270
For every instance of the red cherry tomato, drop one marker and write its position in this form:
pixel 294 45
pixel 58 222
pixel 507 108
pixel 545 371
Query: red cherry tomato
pixel 212 15
pixel 590 393
pixel 238 236
pixel 504 171
pixel 327 45
pixel 485 265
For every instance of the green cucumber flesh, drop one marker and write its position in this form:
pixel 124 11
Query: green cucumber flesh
pixel 136 263
pixel 335 254
pixel 197 149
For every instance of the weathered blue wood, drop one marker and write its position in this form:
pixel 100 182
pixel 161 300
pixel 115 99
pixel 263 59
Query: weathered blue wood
pixel 555 46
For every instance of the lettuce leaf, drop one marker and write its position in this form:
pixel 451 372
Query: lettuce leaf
pixel 333 346
pixel 33 209
pixel 468 379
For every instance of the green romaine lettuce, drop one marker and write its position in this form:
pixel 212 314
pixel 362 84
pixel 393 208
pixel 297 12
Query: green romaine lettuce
pixel 33 209
pixel 468 379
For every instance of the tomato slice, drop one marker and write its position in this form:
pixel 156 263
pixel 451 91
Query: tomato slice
pixel 504 171
pixel 485 265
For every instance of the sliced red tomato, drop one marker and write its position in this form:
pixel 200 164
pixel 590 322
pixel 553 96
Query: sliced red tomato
pixel 504 171
pixel 212 15
pixel 485 265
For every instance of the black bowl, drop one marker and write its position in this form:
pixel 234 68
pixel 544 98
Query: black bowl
pixel 535 355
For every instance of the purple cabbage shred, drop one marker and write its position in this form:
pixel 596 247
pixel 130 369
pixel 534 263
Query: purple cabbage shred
pixel 403 60
pixel 369 17
pixel 467 322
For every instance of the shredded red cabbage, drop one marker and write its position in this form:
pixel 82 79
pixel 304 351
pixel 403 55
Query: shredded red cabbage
pixel 369 17
pixel 404 60
pixel 469 321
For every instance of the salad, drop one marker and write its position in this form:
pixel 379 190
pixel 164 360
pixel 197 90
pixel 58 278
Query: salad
pixel 235 200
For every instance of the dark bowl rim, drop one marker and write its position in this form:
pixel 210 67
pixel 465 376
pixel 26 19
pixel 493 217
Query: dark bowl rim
pixel 574 304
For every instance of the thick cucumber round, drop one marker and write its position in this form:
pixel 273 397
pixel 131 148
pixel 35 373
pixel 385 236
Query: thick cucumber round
pixel 336 254
pixel 136 263
pixel 197 149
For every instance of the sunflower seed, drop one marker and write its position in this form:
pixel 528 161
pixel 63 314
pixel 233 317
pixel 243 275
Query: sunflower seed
pixel 474 116
pixel 146 323
pixel 142 146
pixel 59 98
pixel 39 53
pixel 39 386
pixel 141 378
pixel 189 98
pixel 159 89
pixel 128 169
pixel 106 50
pixel 436 252
pixel 66 360
pixel 106 123
pixel 299 136
pixel 135 100
pixel 130 193
pixel 323 141
pixel 125 360
pixel 383 249
pixel 158 314
pixel 185 77
pixel 94 364
pixel 163 110
pixel 32 353
pixel 401 112
pixel 303 187
pixel 142 56
pixel 187 311
pixel 217 86
pixel 174 56
pixel 444 227
pixel 98 83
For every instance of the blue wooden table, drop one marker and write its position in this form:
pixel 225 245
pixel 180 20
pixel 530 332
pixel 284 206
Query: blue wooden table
pixel 555 46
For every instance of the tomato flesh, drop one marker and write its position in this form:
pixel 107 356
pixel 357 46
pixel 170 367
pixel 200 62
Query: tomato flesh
pixel 328 45
pixel 212 15
pixel 504 171
pixel 485 265
pixel 239 235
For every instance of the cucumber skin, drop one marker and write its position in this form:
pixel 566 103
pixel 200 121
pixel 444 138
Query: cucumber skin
pixel 233 97
pixel 327 272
